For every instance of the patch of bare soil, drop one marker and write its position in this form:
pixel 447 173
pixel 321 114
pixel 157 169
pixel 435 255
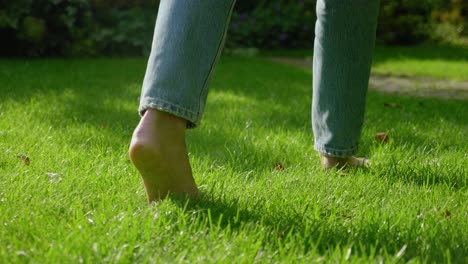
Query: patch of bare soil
pixel 402 85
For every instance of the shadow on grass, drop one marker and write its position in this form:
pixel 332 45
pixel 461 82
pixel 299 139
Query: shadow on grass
pixel 91 92
pixel 264 81
pixel 453 177
pixel 104 95
pixel 426 125
pixel 100 91
pixel 314 233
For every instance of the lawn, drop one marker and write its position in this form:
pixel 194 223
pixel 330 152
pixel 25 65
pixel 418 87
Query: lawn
pixel 80 201
pixel 443 61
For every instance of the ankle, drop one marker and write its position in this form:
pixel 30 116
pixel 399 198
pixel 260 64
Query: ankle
pixel 329 162
pixel 163 121
pixel 157 133
pixel 160 126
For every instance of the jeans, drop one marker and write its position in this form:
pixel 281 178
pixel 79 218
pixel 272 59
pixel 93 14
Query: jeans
pixel 189 37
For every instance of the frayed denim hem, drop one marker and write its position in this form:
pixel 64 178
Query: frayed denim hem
pixel 193 119
pixel 339 153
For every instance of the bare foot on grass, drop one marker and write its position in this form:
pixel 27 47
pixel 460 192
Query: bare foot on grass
pixel 159 153
pixel 329 162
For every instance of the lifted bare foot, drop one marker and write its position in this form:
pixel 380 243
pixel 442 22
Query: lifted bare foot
pixel 159 153
pixel 329 162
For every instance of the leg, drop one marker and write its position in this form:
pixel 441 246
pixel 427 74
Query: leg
pixel 344 41
pixel 187 42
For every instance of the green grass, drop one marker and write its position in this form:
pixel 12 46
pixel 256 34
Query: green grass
pixel 80 200
pixel 437 61
pixel 446 62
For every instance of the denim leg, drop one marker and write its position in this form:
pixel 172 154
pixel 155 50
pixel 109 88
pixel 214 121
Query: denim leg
pixel 344 41
pixel 188 39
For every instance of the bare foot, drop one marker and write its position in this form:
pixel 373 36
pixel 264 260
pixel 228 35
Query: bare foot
pixel 159 153
pixel 329 162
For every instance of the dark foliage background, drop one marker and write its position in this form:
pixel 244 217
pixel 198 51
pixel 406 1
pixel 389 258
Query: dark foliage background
pixel 106 27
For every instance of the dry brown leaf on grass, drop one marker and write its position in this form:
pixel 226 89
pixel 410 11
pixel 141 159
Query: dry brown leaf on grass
pixel 25 159
pixel 382 137
pixel 446 213
pixel 279 166
pixel 392 104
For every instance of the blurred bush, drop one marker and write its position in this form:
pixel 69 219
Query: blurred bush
pixel 272 24
pixel 106 27
pixel 123 26
pixel 406 22
pixel 44 27
pixel 128 31
pixel 449 22
pixel 76 27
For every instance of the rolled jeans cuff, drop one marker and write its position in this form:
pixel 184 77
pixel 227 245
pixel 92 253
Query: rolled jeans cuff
pixel 334 152
pixel 193 119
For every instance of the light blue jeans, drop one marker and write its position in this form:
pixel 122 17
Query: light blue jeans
pixel 188 39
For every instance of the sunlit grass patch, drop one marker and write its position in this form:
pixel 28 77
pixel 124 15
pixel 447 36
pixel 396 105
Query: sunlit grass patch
pixel 80 200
